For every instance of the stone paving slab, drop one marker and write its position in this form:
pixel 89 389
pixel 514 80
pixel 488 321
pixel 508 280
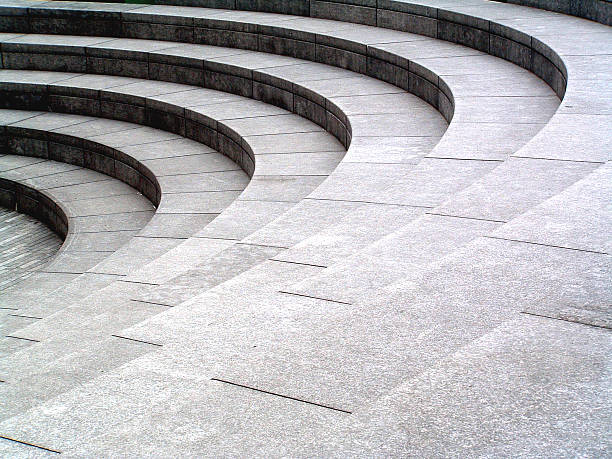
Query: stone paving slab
pixel 400 255
pixel 160 390
pixel 576 218
pixel 431 182
pixel 366 224
pixel 43 382
pixel 513 187
pixel 218 268
pixel 526 372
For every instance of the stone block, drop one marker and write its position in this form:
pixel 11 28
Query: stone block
pixel 153 31
pixel 76 105
pixel 201 133
pixel 406 22
pixel 272 95
pixel 66 154
pixel 341 58
pixel 546 70
pixel 166 121
pixel 123 112
pixel 128 67
pixel 227 38
pixel 464 35
pixel 510 51
pixel 100 163
pixel 228 83
pixel 51 62
pixel 287 47
pixel 343 12
pixel 25 146
pixel 309 110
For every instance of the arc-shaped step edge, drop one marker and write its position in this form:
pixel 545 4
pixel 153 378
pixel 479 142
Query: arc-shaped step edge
pixel 129 108
pixel 595 10
pixel 30 76
pixel 441 99
pixel 512 29
pixel 81 152
pixel 86 104
pixel 354 53
pixel 349 124
pixel 114 104
pixel 89 154
pixel 22 140
pixel 119 103
pixel 173 68
pixel 438 100
pixel 35 203
pixel 59 207
pixel 359 11
pixel 304 99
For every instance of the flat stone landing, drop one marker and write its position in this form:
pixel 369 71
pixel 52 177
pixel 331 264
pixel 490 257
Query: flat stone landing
pixel 26 245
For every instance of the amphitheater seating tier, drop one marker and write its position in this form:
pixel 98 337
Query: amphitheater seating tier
pixel 308 228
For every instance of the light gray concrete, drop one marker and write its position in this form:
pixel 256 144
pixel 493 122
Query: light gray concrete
pixel 430 293
pixel 26 245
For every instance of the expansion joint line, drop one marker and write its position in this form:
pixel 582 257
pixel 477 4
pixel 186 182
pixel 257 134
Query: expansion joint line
pixel 280 395
pixel 25 339
pixel 313 297
pixel 575 321
pixel 547 245
pixel 137 340
pixel 30 444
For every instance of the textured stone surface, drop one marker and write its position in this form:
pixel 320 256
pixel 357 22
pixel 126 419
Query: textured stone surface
pixel 26 246
pixel 428 292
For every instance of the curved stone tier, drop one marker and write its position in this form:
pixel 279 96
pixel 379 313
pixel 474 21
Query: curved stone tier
pixel 438 290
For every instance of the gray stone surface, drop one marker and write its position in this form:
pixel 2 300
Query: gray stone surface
pixel 402 254
pixel 26 245
pixel 529 373
pixel 444 293
pixel 578 218
pixel 513 187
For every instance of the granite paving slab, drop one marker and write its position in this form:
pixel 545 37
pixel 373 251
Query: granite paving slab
pixel 577 218
pixel 527 371
pixel 402 254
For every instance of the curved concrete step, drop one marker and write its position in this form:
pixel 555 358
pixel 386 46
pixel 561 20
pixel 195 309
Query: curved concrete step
pixel 67 146
pixel 106 298
pixel 285 126
pixel 73 81
pixel 484 151
pixel 428 320
pixel 83 194
pixel 373 222
pixel 343 184
pixel 118 89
